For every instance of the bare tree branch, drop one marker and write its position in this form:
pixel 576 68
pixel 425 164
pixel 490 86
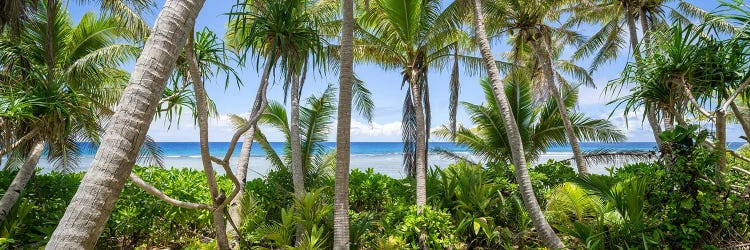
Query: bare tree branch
pixel 15 144
pixel 162 196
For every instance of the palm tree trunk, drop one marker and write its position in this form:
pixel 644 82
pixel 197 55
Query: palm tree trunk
pixel 220 227
pixel 721 135
pixel 548 235
pixel 92 204
pixel 741 119
pixel 549 75
pixel 343 133
pixel 298 174
pixel 18 142
pixel 13 192
pixel 633 32
pixel 420 148
pixel 258 107
pixel 645 29
pixel 235 207
pixel 651 117
pixel 419 144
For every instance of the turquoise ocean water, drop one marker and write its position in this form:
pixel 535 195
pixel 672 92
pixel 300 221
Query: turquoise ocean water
pixel 383 157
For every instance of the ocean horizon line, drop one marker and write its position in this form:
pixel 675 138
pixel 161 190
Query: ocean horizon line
pixel 239 142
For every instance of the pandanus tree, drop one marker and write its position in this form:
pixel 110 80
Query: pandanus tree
pixel 204 57
pixel 540 124
pixel 58 84
pixel 85 217
pixel 689 69
pixel 620 21
pixel 286 34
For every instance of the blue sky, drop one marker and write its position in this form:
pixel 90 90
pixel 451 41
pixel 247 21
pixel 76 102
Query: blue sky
pixel 385 86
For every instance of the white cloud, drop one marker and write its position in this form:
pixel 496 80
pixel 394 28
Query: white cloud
pixel 376 130
pixel 634 127
pixel 221 129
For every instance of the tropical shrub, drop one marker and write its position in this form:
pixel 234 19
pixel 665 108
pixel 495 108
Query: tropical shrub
pixel 39 209
pixel 141 219
pixel 437 226
pixel 370 191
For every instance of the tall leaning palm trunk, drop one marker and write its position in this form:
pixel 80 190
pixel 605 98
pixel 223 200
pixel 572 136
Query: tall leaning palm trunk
pixel 201 110
pixel 235 206
pixel 259 106
pixel 87 214
pixel 542 54
pixel 514 137
pixel 651 117
pixel 13 192
pixel 343 134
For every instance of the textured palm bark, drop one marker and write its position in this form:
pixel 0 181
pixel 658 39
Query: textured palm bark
pixel 546 233
pixel 343 133
pixel 11 195
pixel 87 214
pixel 298 173
pixel 201 109
pixel 742 120
pixel 235 206
pixel 420 149
pixel 248 129
pixel 721 136
pixel 653 120
pixel 549 76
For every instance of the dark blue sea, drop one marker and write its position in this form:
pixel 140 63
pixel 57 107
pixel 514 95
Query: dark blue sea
pixel 192 149
pixel 383 157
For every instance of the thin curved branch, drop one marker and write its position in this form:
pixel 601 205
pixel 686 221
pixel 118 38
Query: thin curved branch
pixel 692 99
pixel 734 95
pixel 232 177
pixel 741 170
pixel 179 91
pixel 741 119
pixel 260 104
pixel 19 141
pixel 162 196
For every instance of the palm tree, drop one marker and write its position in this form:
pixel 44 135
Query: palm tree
pixel 527 22
pixel 617 15
pixel 14 12
pixel 92 204
pixel 61 94
pixel 316 120
pixel 540 125
pixel 204 62
pixel 509 121
pixel 284 30
pixel 343 133
pixel 686 70
pixel 412 36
